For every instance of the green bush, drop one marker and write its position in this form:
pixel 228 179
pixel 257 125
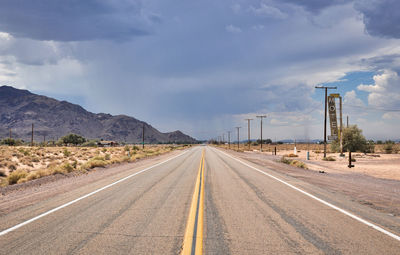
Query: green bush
pixel 388 147
pixel 73 139
pixel 353 140
pixel 11 142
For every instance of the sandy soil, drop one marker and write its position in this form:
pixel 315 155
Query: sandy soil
pixel 23 163
pixel 385 166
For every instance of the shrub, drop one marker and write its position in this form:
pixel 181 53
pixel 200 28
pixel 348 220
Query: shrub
pixel 15 176
pixel 291 155
pixel 94 163
pixel 107 157
pixel 299 164
pixel 66 153
pixel 285 160
pixel 67 167
pixel 12 167
pixel 32 176
pixel 90 144
pixel 293 162
pixel 11 142
pixel 388 147
pixel 2 173
pixel 329 159
pixel 135 148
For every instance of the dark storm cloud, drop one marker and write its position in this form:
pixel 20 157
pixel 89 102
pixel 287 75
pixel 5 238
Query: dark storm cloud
pixel 381 17
pixel 383 62
pixel 316 6
pixel 74 20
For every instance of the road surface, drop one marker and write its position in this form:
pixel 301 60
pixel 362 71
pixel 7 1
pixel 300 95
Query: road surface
pixel 201 201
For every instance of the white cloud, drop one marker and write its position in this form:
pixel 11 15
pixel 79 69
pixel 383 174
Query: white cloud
pixel 385 92
pixel 268 11
pixel 350 98
pixel 233 29
pixel 391 116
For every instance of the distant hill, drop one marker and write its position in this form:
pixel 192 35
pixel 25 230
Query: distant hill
pixel 53 118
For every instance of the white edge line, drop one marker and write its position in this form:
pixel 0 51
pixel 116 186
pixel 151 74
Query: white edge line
pixel 4 232
pixel 320 200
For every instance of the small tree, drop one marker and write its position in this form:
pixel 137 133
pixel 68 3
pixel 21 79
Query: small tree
pixel 354 140
pixel 73 139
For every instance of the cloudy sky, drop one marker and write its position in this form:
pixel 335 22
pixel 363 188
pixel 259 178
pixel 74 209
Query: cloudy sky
pixel 204 66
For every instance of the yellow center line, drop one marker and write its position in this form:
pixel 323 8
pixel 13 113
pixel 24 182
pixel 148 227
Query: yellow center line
pixel 193 240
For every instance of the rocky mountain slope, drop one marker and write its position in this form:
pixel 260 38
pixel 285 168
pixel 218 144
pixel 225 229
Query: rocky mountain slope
pixel 53 119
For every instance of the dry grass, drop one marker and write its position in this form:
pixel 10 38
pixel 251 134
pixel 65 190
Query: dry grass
pixel 22 163
pixel 293 162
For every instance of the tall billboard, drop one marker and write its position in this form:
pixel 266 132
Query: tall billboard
pixel 332 118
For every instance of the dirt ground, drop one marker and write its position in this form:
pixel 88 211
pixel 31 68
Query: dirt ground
pixel 379 164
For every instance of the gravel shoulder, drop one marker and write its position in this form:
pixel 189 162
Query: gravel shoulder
pixel 377 193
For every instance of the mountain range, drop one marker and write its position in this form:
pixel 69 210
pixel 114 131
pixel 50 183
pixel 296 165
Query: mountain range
pixel 19 109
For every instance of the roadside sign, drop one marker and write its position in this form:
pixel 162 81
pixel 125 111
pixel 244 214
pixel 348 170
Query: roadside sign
pixel 336 95
pixel 332 116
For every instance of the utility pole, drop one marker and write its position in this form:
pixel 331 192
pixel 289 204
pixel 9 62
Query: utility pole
pixel 248 130
pixel 143 136
pixel 238 135
pixel 347 120
pixel 261 118
pixel 229 139
pixel 326 99
pixel 32 136
pixel 341 127
pixel 223 138
pixel 10 133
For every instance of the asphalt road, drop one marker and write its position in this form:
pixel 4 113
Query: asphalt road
pixel 229 207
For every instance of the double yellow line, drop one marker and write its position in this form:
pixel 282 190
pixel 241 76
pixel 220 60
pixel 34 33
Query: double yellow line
pixel 193 241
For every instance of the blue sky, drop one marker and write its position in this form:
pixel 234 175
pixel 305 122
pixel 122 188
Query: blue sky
pixel 204 66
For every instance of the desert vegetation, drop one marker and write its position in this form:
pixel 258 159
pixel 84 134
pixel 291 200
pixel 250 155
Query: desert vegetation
pixel 24 163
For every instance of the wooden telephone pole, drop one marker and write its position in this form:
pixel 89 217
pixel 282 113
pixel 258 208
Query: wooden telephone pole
pixel 261 118
pixel 238 136
pixel 326 100
pixel 248 131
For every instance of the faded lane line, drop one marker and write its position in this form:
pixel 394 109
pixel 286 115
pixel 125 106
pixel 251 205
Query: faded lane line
pixel 193 240
pixel 84 196
pixel 384 231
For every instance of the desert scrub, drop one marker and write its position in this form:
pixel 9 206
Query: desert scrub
pixel 16 176
pixel 2 173
pixel 292 155
pixel 107 156
pixel 329 159
pixel 293 162
pixel 94 163
pixel 66 153
pixel 12 167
